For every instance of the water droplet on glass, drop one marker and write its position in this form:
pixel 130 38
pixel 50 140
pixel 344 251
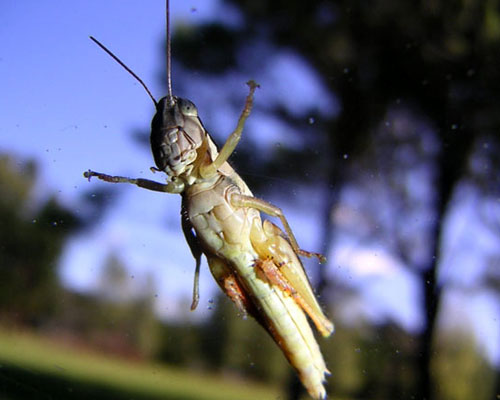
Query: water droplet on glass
pixel 454 126
pixel 346 156
pixel 34 221
pixel 311 120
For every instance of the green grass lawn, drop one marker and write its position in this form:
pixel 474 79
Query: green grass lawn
pixel 32 367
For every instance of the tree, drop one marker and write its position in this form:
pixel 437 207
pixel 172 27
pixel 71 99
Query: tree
pixel 31 237
pixel 433 57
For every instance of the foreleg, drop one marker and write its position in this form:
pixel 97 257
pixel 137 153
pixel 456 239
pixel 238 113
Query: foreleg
pixel 171 187
pixel 233 139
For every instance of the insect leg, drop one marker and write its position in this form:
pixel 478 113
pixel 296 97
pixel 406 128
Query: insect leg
pixel 229 284
pixel 196 286
pixel 233 139
pixel 270 271
pixel 240 200
pixel 171 187
pixel 275 275
pixel 194 246
pixel 267 270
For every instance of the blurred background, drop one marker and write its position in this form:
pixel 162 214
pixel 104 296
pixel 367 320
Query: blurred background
pixel 376 129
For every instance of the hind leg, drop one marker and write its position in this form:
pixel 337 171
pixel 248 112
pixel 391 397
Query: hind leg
pixel 279 265
pixel 229 284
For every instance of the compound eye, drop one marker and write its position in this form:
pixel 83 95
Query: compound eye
pixel 187 108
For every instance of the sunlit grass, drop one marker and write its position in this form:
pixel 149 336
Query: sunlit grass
pixel 139 380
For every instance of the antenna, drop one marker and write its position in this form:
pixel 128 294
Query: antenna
pixel 170 96
pixel 127 68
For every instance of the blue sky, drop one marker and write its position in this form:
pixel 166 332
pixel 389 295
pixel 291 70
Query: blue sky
pixel 67 105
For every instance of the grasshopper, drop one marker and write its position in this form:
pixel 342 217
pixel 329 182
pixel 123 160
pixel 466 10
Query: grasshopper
pixel 254 262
